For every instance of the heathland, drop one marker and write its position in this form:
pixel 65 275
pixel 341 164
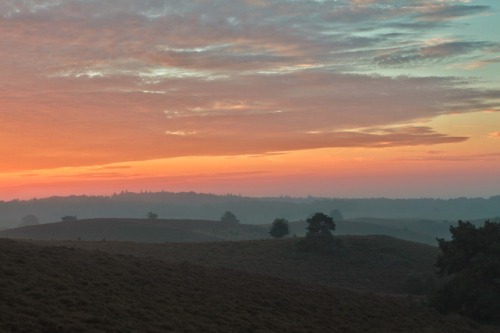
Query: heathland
pixel 154 275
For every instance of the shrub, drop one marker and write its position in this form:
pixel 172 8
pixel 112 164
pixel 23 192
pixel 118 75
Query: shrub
pixel 279 228
pixel 69 218
pixel 29 220
pixel 229 217
pixel 152 216
pixel 319 236
pixel 470 262
pixel 336 215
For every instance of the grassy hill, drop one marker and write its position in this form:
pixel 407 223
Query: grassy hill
pixel 61 289
pixel 400 228
pixel 372 263
pixel 139 230
pixel 175 230
pixel 433 228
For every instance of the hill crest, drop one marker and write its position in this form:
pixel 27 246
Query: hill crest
pixel 139 230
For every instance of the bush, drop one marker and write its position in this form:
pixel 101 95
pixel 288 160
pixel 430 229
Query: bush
pixel 152 216
pixel 29 220
pixel 319 236
pixel 279 228
pixel 470 262
pixel 336 215
pixel 69 218
pixel 229 217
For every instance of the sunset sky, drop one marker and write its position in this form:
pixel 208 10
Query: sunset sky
pixel 339 98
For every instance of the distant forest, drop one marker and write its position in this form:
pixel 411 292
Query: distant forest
pixel 191 205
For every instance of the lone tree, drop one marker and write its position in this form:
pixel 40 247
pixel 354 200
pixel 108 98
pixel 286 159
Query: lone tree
pixel 29 220
pixel 69 218
pixel 470 262
pixel 279 228
pixel 319 236
pixel 152 216
pixel 229 217
pixel 336 215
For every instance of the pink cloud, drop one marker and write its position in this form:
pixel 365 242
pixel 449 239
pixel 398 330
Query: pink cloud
pixel 93 82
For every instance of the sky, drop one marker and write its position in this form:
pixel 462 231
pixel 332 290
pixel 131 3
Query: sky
pixel 336 98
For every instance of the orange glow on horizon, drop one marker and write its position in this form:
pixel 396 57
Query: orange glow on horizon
pixel 98 97
pixel 330 172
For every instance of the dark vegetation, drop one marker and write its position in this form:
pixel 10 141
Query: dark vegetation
pixel 29 220
pixel 69 218
pixel 229 217
pixel 371 263
pixel 62 289
pixel 336 215
pixel 416 230
pixel 152 216
pixel 317 264
pixel 280 228
pixel 319 236
pixel 471 263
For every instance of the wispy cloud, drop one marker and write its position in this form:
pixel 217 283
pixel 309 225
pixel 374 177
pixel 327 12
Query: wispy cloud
pixel 494 135
pixel 442 52
pixel 95 82
pixel 478 63
pixel 493 157
pixel 448 10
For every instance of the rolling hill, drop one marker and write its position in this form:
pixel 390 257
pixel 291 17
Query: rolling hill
pixel 399 228
pixel 61 289
pixel 175 230
pixel 372 263
pixel 139 230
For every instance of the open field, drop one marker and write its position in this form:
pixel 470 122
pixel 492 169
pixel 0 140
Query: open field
pixel 139 230
pixel 372 263
pixel 175 230
pixel 62 289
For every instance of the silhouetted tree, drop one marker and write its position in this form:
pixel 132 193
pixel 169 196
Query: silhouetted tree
pixel 69 218
pixel 320 225
pixel 152 216
pixel 470 262
pixel 229 217
pixel 29 220
pixel 319 236
pixel 279 228
pixel 336 215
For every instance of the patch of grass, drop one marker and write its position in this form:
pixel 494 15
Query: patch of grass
pixel 371 263
pixel 63 289
pixel 139 230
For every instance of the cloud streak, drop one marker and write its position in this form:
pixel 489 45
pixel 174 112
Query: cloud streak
pixel 94 82
pixel 494 135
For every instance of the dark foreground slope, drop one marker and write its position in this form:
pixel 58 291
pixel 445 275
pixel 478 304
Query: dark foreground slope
pixel 138 230
pixel 371 263
pixel 57 289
